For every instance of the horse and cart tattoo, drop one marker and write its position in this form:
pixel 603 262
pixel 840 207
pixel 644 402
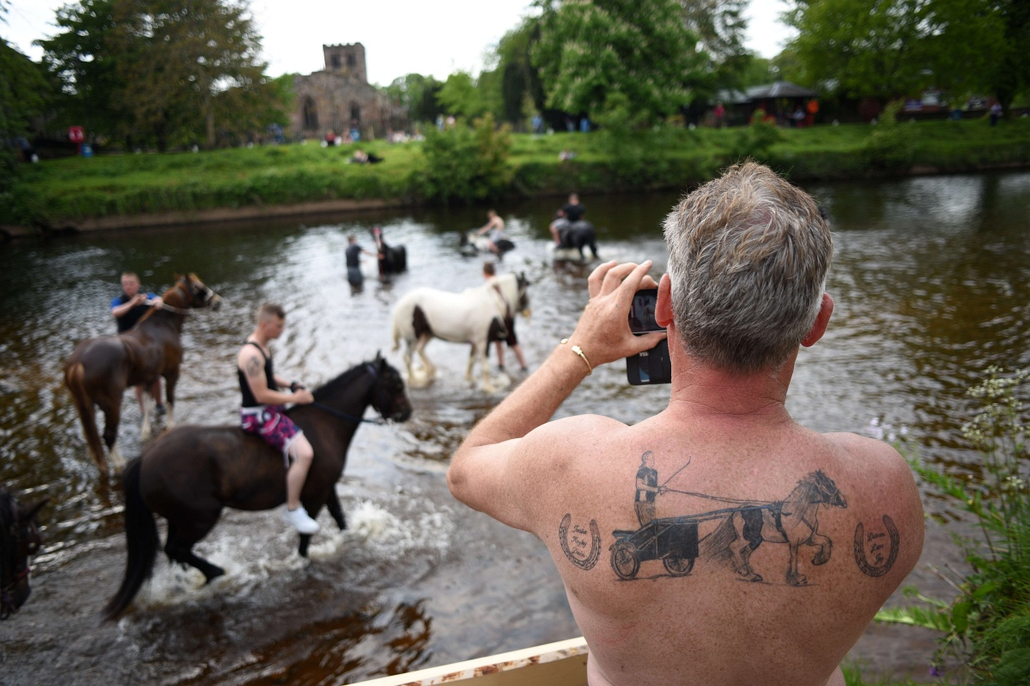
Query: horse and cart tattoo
pixel 733 532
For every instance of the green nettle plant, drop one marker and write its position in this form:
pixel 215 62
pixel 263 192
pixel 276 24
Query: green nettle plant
pixel 987 627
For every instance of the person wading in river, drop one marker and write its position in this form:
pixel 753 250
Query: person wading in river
pixel 262 410
pixel 127 309
pixel 748 258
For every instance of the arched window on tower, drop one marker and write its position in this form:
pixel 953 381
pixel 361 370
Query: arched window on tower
pixel 355 113
pixel 310 115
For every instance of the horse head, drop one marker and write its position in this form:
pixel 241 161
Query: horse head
pixel 522 283
pixel 190 292
pixel 19 542
pixel 389 395
pixel 828 492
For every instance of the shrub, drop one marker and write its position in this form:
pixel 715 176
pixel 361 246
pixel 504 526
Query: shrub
pixel 987 625
pixel 891 146
pixel 466 163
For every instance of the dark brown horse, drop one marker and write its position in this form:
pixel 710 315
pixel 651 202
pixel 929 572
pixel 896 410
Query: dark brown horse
pixel 100 369
pixel 19 541
pixel 190 473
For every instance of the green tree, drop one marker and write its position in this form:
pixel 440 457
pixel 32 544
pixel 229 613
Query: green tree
pixel 420 95
pixel 1009 74
pixel 23 96
pixel 894 48
pixel 721 28
pixel 520 78
pixel 155 68
pixel 460 96
pixel 589 51
pixel 79 58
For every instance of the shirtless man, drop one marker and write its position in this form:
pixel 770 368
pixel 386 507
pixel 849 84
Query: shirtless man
pixel 262 410
pixel 757 498
pixel 495 227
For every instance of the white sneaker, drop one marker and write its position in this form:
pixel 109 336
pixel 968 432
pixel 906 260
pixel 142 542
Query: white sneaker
pixel 300 520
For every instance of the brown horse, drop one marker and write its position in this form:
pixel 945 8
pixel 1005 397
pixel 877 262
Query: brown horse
pixel 190 473
pixel 100 369
pixel 19 541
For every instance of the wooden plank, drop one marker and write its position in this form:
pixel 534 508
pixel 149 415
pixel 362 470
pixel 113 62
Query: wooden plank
pixel 556 664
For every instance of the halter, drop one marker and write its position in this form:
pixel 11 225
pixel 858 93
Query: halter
pixel 348 417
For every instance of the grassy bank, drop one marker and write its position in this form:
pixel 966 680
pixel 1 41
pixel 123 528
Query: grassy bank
pixel 76 189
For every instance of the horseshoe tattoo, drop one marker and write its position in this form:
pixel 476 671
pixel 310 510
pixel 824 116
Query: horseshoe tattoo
pixel 580 557
pixel 882 566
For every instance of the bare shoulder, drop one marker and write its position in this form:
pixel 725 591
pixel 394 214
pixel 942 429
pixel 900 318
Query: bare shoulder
pixel 886 508
pixel 248 357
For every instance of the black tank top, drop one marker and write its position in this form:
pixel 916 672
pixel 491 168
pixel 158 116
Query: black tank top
pixel 248 395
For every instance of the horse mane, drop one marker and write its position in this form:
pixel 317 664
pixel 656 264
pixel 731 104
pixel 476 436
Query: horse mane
pixel 341 382
pixel 174 290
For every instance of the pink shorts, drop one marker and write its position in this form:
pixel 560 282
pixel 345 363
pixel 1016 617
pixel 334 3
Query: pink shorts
pixel 269 422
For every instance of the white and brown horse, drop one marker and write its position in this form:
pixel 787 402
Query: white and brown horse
pixel 100 369
pixel 475 316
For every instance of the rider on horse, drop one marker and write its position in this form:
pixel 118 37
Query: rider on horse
pixel 262 410
pixel 127 309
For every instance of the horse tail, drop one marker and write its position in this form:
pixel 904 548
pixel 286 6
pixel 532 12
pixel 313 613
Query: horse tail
pixel 141 542
pixel 75 380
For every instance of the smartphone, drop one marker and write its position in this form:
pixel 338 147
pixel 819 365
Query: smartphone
pixel 651 366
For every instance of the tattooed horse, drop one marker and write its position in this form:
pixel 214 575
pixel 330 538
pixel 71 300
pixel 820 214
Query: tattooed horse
pixel 793 521
pixel 475 316
pixel 100 369
pixel 19 541
pixel 190 473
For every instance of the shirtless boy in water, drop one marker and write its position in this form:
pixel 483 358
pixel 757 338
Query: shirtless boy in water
pixel 798 537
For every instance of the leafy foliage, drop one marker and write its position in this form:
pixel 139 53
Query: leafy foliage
pixel 987 624
pixel 890 145
pixel 896 47
pixel 639 52
pixel 466 163
pixel 166 70
pixel 419 93
pixel 460 97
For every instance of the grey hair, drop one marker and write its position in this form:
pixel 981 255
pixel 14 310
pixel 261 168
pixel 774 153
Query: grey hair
pixel 748 258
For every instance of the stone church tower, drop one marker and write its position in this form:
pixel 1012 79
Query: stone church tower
pixel 340 99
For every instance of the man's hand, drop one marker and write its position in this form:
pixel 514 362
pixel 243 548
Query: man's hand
pixel 603 330
pixel 302 396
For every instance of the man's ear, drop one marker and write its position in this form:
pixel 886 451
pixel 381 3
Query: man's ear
pixel 663 308
pixel 821 321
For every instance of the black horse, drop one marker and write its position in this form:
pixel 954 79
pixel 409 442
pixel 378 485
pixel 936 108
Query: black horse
pixel 19 541
pixel 578 235
pixel 190 473
pixel 393 259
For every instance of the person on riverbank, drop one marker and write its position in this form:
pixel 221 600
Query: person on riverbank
pixel 262 408
pixel 494 228
pixel 748 258
pixel 127 309
pixel 489 272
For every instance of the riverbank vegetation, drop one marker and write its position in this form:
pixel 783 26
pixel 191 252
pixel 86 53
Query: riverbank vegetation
pixel 985 629
pixel 467 163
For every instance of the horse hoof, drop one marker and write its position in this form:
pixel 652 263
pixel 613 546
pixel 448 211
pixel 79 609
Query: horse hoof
pixel 820 559
pixel 213 574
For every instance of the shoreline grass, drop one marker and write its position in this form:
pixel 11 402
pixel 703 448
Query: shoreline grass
pixel 77 189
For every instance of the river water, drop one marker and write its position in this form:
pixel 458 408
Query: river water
pixel 930 281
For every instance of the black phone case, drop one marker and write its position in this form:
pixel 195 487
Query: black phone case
pixel 650 367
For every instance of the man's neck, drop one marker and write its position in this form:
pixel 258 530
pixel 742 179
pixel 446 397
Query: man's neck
pixel 702 391
pixel 258 338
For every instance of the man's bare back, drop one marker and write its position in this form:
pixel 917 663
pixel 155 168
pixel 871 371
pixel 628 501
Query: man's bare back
pixel 718 542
